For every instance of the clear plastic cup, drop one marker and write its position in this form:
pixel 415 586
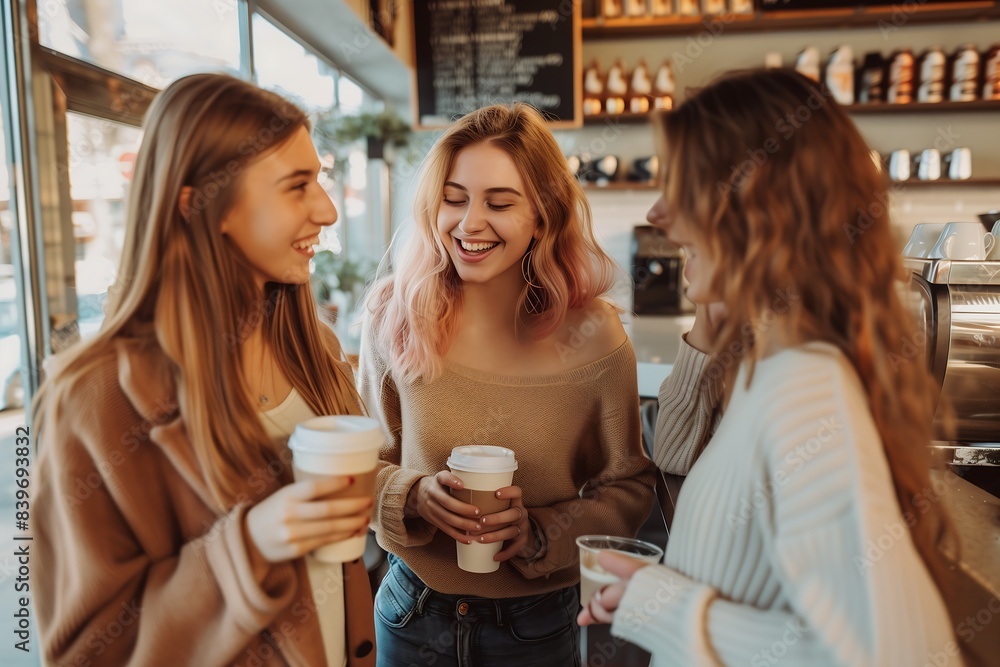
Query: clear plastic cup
pixel 593 577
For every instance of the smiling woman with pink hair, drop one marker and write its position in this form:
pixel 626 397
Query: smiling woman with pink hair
pixel 492 330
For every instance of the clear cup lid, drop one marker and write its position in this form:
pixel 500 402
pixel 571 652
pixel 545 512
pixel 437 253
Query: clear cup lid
pixel 482 458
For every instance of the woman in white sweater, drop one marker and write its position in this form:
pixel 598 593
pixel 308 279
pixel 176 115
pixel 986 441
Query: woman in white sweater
pixel 808 528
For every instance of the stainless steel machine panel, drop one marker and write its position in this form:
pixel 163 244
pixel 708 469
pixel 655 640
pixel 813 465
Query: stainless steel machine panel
pixel 959 303
pixel 972 376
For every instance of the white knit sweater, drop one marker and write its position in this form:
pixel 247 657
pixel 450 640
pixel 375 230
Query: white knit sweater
pixel 788 546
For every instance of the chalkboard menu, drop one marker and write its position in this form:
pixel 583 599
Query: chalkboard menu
pixel 471 53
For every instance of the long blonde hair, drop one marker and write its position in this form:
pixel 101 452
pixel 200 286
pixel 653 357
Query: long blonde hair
pixel 415 310
pixel 773 175
pixel 184 282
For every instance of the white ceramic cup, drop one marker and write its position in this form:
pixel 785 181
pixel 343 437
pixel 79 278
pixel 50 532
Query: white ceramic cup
pixel 963 241
pixel 929 168
pixel 995 253
pixel 922 239
pixel 483 469
pixel 338 445
pixel 899 165
pixel 960 164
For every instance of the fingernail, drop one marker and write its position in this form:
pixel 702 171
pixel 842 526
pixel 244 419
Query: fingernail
pixel 483 540
pixel 498 494
pixel 477 511
pixel 478 527
pixel 468 541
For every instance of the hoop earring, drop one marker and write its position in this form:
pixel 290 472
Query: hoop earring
pixel 534 300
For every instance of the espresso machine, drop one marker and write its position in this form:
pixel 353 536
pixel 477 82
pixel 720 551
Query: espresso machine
pixel 959 305
pixel 657 274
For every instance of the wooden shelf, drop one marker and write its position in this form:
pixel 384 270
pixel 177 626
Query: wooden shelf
pixel 897 185
pixel 619 186
pixel 924 107
pixel 865 109
pixel 824 19
pixel 626 117
pixel 947 182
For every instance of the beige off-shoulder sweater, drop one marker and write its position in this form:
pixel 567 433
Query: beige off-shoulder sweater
pixel 577 439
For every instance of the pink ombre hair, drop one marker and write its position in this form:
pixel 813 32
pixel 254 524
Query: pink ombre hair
pixel 414 310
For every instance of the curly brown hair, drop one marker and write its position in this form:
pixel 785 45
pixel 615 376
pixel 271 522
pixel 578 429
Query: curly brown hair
pixel 773 176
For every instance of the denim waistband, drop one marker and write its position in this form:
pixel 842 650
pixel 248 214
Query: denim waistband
pixel 470 607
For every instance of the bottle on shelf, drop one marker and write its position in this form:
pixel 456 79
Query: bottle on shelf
pixel 899 83
pixel 616 88
pixel 964 74
pixel 871 79
pixel 641 88
pixel 593 90
pixel 741 6
pixel 663 7
pixel 807 63
pixel 688 8
pixel 664 86
pixel 932 65
pixel 991 74
pixel 713 7
pixel 635 8
pixel 840 75
pixel 612 9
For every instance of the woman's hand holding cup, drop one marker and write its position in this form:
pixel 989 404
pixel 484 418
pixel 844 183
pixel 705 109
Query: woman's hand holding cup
pixel 510 525
pixel 300 517
pixel 431 499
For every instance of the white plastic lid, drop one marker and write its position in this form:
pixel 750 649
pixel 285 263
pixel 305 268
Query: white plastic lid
pixel 482 458
pixel 350 434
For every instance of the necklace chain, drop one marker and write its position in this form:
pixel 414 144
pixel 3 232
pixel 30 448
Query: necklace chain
pixel 263 398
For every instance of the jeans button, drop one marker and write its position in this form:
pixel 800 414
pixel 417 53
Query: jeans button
pixel 463 608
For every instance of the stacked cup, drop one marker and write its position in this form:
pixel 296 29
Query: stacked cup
pixel 964 241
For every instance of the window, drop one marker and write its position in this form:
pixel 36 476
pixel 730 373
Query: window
pixel 12 395
pixel 285 66
pixel 101 160
pixel 152 42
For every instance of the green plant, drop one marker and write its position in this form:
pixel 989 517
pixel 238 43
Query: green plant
pixel 335 133
pixel 334 272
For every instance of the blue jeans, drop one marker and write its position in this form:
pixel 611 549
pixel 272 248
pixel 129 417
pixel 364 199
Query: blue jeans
pixel 418 627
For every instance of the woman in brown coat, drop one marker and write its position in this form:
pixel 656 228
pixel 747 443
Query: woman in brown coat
pixel 167 528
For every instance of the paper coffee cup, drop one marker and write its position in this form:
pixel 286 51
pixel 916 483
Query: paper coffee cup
pixel 338 445
pixel 483 469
